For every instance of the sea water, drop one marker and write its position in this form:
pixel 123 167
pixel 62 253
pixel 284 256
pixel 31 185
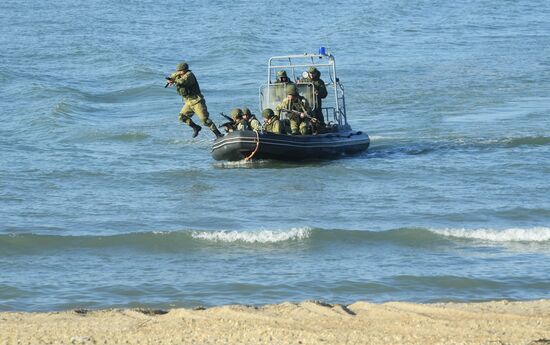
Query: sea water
pixel 106 201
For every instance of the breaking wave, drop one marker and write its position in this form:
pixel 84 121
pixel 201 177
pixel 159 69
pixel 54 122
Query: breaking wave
pixel 185 240
pixel 536 234
pixel 263 236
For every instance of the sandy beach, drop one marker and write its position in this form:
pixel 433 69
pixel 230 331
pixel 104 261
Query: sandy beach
pixel 304 323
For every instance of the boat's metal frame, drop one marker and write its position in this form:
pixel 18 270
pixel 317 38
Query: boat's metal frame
pixel 324 63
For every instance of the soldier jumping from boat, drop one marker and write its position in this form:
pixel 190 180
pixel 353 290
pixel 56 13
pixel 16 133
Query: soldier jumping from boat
pixel 188 88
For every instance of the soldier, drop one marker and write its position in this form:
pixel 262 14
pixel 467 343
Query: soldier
pixel 188 88
pixel 238 121
pixel 320 91
pixel 297 110
pixel 282 77
pixel 271 121
pixel 251 122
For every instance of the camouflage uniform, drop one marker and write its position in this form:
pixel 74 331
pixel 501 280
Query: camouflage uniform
pixel 238 121
pixel 251 122
pixel 271 122
pixel 320 93
pixel 188 88
pixel 298 103
pixel 283 78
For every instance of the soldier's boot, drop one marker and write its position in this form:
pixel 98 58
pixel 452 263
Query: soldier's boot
pixel 213 128
pixel 196 128
pixel 217 133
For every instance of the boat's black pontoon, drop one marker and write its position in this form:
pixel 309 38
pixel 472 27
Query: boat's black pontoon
pixel 337 139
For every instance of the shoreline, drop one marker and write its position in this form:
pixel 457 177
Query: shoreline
pixel 310 322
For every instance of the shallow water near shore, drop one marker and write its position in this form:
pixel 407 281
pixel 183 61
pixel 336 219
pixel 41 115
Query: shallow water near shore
pixel 106 201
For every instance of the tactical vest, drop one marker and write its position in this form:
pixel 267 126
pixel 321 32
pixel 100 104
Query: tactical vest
pixel 188 86
pixel 274 126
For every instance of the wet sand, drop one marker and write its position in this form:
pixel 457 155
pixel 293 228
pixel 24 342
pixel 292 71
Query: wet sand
pixel 496 323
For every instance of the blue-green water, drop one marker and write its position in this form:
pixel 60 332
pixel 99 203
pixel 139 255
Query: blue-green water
pixel 106 201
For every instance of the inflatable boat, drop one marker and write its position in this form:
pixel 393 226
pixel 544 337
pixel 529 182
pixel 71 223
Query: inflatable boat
pixel 335 139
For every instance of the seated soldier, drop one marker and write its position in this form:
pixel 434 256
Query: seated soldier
pixel 297 110
pixel 237 117
pixel 271 121
pixel 249 121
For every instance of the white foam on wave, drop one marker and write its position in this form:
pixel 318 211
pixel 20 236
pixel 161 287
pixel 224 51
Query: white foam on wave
pixel 535 234
pixel 260 236
pixel 241 164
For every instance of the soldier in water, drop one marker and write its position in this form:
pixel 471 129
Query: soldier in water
pixel 188 88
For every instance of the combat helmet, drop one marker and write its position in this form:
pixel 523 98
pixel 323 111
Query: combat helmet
pixel 281 73
pixel 314 71
pixel 182 66
pixel 236 114
pixel 291 90
pixel 247 112
pixel 267 113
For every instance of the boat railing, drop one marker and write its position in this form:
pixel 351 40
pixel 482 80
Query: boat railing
pixel 272 94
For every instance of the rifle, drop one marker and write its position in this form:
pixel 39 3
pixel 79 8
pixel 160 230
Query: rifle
pixel 230 125
pixel 169 82
pixel 313 122
pixel 297 114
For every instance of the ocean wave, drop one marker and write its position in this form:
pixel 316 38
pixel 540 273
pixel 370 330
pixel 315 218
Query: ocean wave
pixel 535 234
pixel 153 241
pixel 262 236
pixel 526 141
pixel 388 147
pixel 98 135
pixel 186 240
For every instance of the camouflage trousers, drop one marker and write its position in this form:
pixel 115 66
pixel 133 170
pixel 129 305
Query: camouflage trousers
pixel 196 106
pixel 299 126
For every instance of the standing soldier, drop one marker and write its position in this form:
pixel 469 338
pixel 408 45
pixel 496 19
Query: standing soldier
pixel 252 122
pixel 188 88
pixel 271 121
pixel 320 91
pixel 283 78
pixel 297 109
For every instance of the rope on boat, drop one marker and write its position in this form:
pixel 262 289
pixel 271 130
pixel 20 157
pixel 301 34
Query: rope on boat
pixel 256 149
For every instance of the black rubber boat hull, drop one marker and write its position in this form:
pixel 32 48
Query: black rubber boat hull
pixel 239 145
